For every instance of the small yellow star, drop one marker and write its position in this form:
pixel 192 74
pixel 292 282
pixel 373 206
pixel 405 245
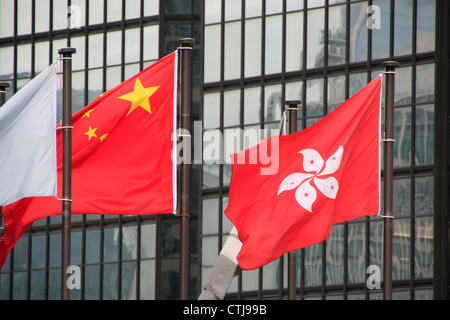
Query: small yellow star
pixel 91 133
pixel 139 97
pixel 87 114
pixel 103 137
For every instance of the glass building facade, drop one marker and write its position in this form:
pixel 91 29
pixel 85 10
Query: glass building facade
pixel 250 56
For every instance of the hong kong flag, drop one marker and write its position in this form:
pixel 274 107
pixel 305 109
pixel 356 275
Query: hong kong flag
pixel 308 181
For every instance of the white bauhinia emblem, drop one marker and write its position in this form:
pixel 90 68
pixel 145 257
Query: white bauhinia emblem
pixel 306 192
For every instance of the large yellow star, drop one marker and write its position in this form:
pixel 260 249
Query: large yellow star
pixel 139 97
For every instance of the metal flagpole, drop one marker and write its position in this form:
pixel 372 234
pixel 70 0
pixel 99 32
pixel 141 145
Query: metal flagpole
pixel 388 175
pixel 66 126
pixel 185 49
pixel 293 109
pixel 3 86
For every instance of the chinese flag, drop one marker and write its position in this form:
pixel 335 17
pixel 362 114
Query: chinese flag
pixel 323 175
pixel 122 152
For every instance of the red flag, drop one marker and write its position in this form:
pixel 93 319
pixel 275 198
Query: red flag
pixel 323 175
pixel 122 153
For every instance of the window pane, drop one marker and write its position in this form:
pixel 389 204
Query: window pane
pixel 231 108
pixel 315 32
pixel 337 35
pixel 424 135
pixel 148 241
pixel 113 10
pixel 113 77
pixel 91 283
pixel 6 63
pixel 357 82
pixel 37 285
pixel 402 136
pixel 401 248
pixel 336 92
pixel 96 12
pixel 252 105
pixel 232 54
pixel 129 279
pixel 273 44
pixel 356 272
pixel 6 18
pixel 213 11
pixel 38 251
pixel 147 280
pixel 129 243
pixel 21 253
pixel 313 265
pixel 95 57
pixel 132 45
pixel 151 7
pixel 24 61
pixel 253 8
pixel 315 3
pixel 233 9
pixel 93 244
pixel 210 217
pixel 95 84
pixel 77 91
pixel 42 15
pixel 132 9
pixel 212 54
pixel 113 48
pixel 380 36
pixel 426 25
pixel 23 17
pixel 292 5
pixel 403 27
pixel 358 32
pixel 110 244
pixel 77 14
pixel 314 97
pixel 55 250
pixel 19 286
pixel 274 6
pixel 177 7
pixel 76 248
pixel 402 198
pixel 59 20
pixel 423 248
pixel 41 56
pixel 425 83
pixel 423 196
pixel 151 41
pixel 110 281
pixel 335 256
pixel 211 106
pixel 271 278
pixel 273 106
pixel 403 90
pixel 294 41
pixel 252 50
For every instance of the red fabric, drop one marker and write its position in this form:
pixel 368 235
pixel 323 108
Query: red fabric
pixel 121 155
pixel 325 174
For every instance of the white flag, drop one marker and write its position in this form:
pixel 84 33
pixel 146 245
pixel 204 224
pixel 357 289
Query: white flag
pixel 28 140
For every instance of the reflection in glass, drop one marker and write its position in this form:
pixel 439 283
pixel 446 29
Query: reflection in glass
pixel 232 54
pixel 401 249
pixel 24 61
pixel 294 41
pixel 77 91
pixel 6 63
pixel 356 243
pixel 250 280
pixel 403 27
pixel 424 139
pixel 337 35
pixel 177 7
pixel 357 82
pixel 273 47
pixel 113 48
pixel 147 280
pixel 93 239
pixel 148 241
pixel 271 275
pixel 209 255
pixel 95 84
pixel 315 39
pixel 252 50
pixel 76 247
pixel 212 49
pixel 110 244
pixel 79 44
pixel 128 280
pixel 423 248
pixel 358 32
pixel 129 243
pixel 37 285
pixel 91 283
pixel 110 277
pixel 54 250
pixel 151 40
pixel 336 92
pixel 38 251
pixel 376 244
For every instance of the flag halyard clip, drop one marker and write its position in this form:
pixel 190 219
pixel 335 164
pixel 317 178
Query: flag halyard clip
pixel 64 127
pixel 63 199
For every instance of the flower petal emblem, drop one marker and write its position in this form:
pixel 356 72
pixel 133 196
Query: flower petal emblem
pixel 317 177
